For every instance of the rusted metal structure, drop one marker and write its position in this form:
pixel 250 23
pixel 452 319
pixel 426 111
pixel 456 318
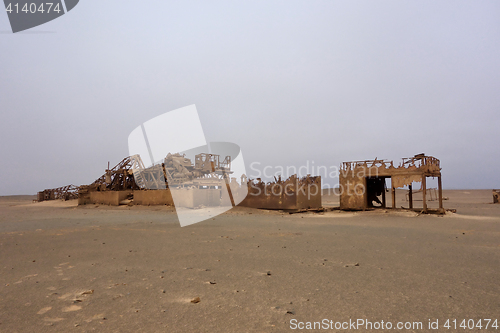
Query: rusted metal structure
pixel 291 194
pixel 496 196
pixel 206 182
pixel 208 170
pixel 120 177
pixel 176 171
pixel 130 173
pixel 64 193
pixel 364 182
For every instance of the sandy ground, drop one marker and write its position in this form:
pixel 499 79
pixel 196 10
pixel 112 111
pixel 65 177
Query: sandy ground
pixel 134 269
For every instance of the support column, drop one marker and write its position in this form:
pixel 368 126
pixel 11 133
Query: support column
pixel 424 190
pixel 410 196
pixel 393 194
pixel 383 196
pixel 440 193
pixel 228 187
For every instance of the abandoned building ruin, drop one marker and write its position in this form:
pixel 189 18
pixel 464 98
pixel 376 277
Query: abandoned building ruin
pixel 496 196
pixel 206 183
pixel 200 184
pixel 209 182
pixel 364 182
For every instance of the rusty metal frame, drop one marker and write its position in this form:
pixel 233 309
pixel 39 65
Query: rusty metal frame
pixel 412 169
pixel 67 192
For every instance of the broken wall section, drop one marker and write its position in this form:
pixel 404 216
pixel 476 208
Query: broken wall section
pixel 290 194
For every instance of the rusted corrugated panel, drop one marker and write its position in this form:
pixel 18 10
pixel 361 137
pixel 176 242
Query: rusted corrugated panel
pixel 292 193
pixel 352 192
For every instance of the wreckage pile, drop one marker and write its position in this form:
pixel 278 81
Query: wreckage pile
pixel 64 193
pixel 129 178
pixel 206 182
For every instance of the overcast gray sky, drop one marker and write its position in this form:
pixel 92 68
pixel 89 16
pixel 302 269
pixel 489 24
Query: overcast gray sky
pixel 289 81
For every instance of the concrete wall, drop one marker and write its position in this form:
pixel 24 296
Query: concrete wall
pixel 111 198
pixel 187 198
pixel 153 197
pixel 207 197
pixel 84 199
pixel 192 198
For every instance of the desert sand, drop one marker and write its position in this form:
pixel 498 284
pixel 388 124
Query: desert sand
pixel 66 268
